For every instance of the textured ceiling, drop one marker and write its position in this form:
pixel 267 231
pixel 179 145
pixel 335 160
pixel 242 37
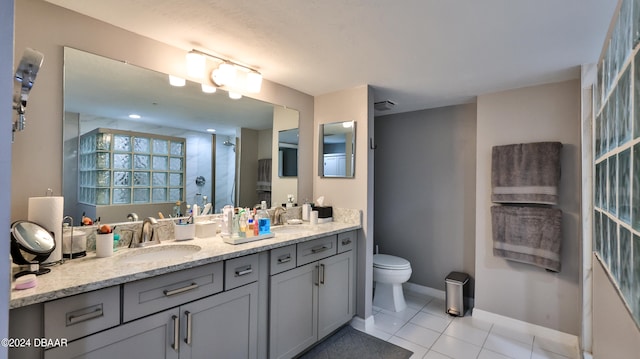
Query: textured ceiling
pixel 418 53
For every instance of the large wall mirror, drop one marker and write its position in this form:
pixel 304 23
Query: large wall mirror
pixel 337 149
pixel 134 143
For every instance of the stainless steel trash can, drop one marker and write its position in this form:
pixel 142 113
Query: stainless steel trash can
pixel 456 284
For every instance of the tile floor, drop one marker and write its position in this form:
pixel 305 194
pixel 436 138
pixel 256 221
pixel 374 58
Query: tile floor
pixel 429 333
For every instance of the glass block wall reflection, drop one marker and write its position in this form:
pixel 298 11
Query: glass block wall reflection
pixel 616 134
pixel 122 167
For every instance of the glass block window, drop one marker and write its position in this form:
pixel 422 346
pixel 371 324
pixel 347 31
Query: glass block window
pixel 616 146
pixel 125 167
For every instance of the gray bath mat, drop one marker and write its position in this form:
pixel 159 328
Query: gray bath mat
pixel 349 343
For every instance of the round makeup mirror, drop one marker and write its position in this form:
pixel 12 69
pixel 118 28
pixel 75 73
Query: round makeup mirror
pixel 30 245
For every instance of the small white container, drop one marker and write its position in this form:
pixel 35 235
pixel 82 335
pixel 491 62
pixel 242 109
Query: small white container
pixel 104 245
pixel 184 232
pixel 314 217
pixel 306 210
pixel 206 229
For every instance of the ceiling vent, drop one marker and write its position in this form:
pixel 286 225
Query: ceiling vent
pixel 385 105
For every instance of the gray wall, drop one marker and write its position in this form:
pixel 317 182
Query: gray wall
pixel 425 170
pixel 540 113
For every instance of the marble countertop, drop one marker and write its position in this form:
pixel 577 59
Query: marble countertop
pixel 91 273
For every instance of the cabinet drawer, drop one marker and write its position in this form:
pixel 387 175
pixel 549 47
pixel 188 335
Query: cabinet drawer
pixel 240 271
pixel 316 249
pixel 82 314
pixel 346 241
pixel 282 259
pixel 155 294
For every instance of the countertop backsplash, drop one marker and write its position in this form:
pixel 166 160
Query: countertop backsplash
pixel 165 227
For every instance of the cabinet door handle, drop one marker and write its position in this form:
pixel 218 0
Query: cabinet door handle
pixel 319 249
pixel 96 311
pixel 176 333
pixel 346 241
pixel 316 275
pixel 243 271
pixel 321 274
pixel 284 259
pixel 169 293
pixel 187 339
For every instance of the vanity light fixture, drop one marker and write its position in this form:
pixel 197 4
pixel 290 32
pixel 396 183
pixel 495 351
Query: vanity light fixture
pixel 230 74
pixel 177 81
pixel 234 95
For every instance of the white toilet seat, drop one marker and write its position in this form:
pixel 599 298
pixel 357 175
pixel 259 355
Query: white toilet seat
pixel 385 261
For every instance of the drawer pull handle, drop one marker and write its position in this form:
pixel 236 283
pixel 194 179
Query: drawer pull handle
pixel 346 241
pixel 284 259
pixel 169 293
pixel 78 318
pixel 319 249
pixel 176 333
pixel 243 271
pixel 188 338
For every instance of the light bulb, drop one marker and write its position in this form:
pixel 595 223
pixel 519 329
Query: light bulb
pixel 254 82
pixel 225 74
pixel 196 63
pixel 208 88
pixel 177 81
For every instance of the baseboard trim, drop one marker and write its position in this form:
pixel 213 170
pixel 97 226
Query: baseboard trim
pixel 533 329
pixel 420 289
pixel 436 293
pixel 358 322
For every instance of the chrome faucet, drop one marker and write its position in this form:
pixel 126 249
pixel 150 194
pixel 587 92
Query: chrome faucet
pixel 146 234
pixel 132 217
pixel 277 215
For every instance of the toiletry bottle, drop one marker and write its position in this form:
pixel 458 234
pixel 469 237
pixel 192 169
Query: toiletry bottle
pixel 176 210
pixel 249 214
pixel 264 222
pixel 235 231
pixel 243 223
pixel 255 223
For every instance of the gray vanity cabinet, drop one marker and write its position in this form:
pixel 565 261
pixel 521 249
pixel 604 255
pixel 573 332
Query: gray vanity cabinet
pixel 150 337
pixel 220 326
pixel 293 311
pixel 163 317
pixel 311 301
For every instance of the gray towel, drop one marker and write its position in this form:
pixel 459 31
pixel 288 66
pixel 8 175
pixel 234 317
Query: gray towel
pixel 526 173
pixel 264 175
pixel 528 234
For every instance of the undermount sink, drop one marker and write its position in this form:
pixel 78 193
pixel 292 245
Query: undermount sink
pixel 158 253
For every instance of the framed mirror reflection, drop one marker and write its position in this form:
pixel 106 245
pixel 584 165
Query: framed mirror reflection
pixel 337 149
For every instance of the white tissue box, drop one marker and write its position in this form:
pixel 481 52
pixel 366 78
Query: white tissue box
pixel 183 232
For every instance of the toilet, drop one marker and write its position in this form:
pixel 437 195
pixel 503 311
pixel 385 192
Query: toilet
pixel 389 272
